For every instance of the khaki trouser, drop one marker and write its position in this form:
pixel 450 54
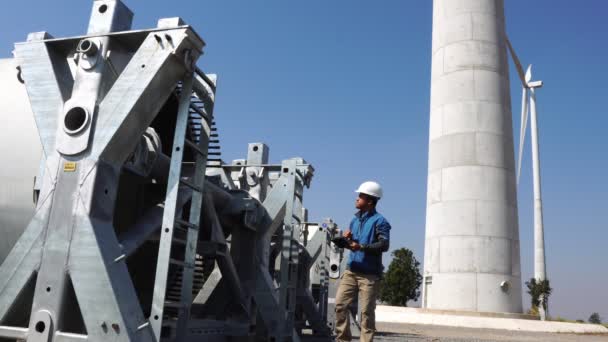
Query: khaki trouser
pixel 368 286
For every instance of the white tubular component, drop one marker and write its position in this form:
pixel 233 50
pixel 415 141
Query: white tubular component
pixel 522 131
pixel 539 234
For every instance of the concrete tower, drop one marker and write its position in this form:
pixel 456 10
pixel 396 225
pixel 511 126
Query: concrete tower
pixel 471 259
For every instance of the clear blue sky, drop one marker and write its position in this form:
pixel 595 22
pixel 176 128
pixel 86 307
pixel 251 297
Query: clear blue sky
pixel 345 84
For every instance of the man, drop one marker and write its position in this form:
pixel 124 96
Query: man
pixel 368 237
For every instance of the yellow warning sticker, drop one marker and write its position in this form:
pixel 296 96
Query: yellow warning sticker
pixel 69 167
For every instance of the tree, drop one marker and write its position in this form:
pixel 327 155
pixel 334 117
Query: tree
pixel 402 279
pixel 595 318
pixel 538 289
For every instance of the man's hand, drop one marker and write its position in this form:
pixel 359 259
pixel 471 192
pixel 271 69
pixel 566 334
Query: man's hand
pixel 348 234
pixel 354 246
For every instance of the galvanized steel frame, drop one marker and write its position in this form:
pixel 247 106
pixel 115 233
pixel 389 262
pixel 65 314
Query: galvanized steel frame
pixel 71 232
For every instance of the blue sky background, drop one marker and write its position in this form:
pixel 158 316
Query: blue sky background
pixel 345 84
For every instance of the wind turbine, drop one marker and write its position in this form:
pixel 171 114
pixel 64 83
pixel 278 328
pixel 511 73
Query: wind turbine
pixel 528 104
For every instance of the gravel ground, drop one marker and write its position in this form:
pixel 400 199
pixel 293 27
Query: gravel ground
pixel 389 332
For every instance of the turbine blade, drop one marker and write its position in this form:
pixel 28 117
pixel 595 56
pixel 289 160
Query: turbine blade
pixel 520 69
pixel 522 131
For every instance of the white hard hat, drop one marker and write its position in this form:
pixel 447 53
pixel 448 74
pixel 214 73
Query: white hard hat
pixel 370 188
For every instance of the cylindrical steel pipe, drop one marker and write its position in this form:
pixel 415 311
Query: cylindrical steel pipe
pixel 472 235
pixel 20 151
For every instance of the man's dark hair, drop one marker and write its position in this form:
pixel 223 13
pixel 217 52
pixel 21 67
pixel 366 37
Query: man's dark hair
pixel 373 199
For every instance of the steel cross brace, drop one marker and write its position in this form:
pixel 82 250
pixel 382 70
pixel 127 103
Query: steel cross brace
pixel 283 205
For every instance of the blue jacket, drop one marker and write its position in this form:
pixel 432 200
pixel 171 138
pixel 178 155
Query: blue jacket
pixel 368 229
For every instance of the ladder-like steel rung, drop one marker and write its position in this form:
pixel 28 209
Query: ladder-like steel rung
pixel 191 185
pixel 174 295
pixel 180 263
pixel 216 141
pixel 214 153
pixel 197 119
pixel 175 305
pixel 200 112
pixel 186 224
pixel 214 147
pixel 195 147
pixel 214 159
pixel 175 292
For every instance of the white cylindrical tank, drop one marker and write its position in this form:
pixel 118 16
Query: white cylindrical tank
pixel 471 259
pixel 20 151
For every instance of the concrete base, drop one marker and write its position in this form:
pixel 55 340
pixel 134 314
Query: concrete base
pixel 472 313
pixel 393 314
